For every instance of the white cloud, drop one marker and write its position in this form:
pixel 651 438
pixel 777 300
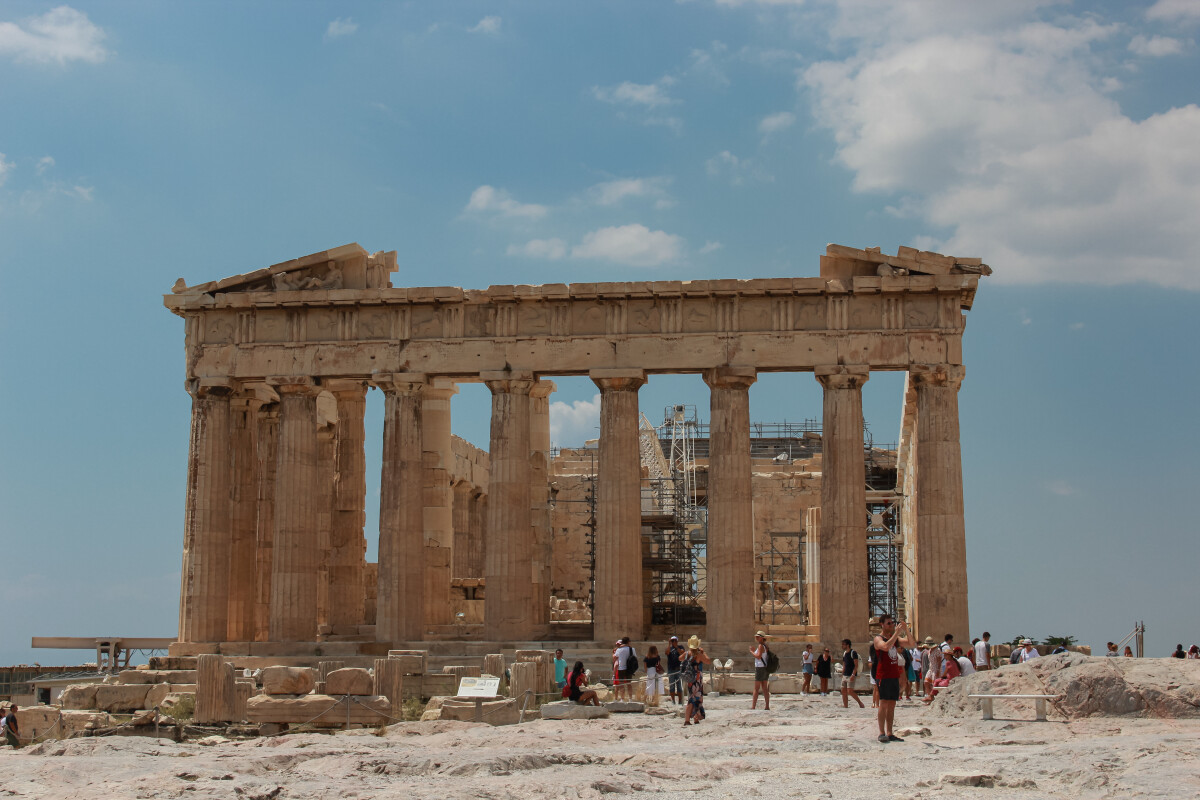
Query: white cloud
pixel 490 25
pixel 643 102
pixel 61 34
pixel 1174 10
pixel 341 27
pixel 710 247
pixel 80 192
pixel 1033 165
pixel 735 3
pixel 5 168
pixel 550 249
pixel 1155 46
pixel 773 123
pixel 611 193
pixel 490 200
pixel 1061 488
pixel 735 169
pixel 44 163
pixel 572 424
pixel 635 245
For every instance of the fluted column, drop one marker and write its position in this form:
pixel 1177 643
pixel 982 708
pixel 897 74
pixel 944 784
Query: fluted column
pixel 462 529
pixel 843 602
pixel 243 516
pixel 438 513
pixel 508 543
pixel 295 547
pixel 618 600
pixel 400 610
pixel 731 586
pixel 347 544
pixel 539 492
pixel 940 605
pixel 326 478
pixel 268 441
pixel 477 542
pixel 203 608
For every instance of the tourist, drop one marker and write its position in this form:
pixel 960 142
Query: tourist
pixel 825 670
pixel 906 680
pixel 762 678
pixel 948 644
pixel 653 663
pixel 1128 652
pixel 934 658
pixel 577 690
pixel 1179 652
pixel 12 731
pixel 887 673
pixel 1112 651
pixel 616 671
pixel 806 668
pixel 1015 656
pixel 983 652
pixel 965 667
pixel 874 686
pixel 675 653
pixel 850 662
pixel 1028 651
pixel 949 670
pixel 627 659
pixel 918 660
pixel 692 668
pixel 560 669
pixel 1194 651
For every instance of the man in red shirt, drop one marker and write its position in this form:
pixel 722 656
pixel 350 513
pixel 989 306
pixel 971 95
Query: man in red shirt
pixel 890 666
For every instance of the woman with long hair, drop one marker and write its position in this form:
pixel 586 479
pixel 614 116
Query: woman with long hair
pixel 577 690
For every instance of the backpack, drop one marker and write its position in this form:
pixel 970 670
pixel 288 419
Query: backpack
pixel 772 662
pixel 689 670
pixel 631 662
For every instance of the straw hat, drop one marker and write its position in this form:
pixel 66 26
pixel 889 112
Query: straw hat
pixel 929 641
pixel 763 634
pixel 694 642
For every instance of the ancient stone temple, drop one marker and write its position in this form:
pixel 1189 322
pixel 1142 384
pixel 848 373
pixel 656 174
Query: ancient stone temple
pixel 279 363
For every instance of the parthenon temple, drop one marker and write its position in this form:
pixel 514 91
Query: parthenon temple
pixel 716 527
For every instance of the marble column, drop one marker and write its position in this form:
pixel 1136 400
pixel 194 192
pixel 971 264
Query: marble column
pixel 731 586
pixel 477 543
pixel 203 607
pixel 347 543
pixel 618 597
pixel 508 543
pixel 243 516
pixel 268 440
pixel 438 513
pixel 400 609
pixel 463 492
pixel 843 606
pixel 326 478
pixel 539 491
pixel 295 551
pixel 940 605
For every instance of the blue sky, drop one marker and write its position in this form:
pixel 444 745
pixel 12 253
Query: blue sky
pixel 541 141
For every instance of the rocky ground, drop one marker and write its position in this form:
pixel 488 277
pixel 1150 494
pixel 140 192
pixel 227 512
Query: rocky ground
pixel 800 748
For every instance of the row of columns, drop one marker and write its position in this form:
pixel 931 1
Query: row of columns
pixel 255 500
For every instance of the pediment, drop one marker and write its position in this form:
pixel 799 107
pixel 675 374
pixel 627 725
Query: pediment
pixel 345 267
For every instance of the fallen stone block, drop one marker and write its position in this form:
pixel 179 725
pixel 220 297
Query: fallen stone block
pixel 79 697
pixel 77 722
pixel 36 722
pixel 174 699
pixel 984 779
pixel 495 712
pixel 118 698
pixel 565 709
pixel 349 680
pixel 625 707
pixel 287 680
pixel 319 709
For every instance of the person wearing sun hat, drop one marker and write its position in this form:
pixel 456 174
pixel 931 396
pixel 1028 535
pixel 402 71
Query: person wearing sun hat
pixel 762 677
pixel 692 668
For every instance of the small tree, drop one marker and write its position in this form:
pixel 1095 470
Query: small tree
pixel 1065 641
pixel 1016 642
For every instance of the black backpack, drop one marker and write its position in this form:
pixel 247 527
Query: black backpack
pixel 772 662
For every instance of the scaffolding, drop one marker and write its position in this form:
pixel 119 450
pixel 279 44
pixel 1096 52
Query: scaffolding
pixel 883 557
pixel 781 589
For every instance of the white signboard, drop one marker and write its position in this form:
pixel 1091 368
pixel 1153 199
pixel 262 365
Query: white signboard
pixel 479 687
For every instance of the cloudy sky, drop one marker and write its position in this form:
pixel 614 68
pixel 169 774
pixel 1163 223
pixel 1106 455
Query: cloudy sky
pixel 534 142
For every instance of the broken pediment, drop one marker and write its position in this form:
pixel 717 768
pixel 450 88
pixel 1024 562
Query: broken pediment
pixel 345 267
pixel 840 261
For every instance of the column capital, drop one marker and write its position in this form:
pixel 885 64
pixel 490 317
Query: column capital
pixel 730 377
pixel 944 375
pixel 353 387
pixel 542 388
pixel 245 402
pixel 618 380
pixel 203 388
pixel 441 388
pixel 400 382
pixel 294 384
pixel 842 376
pixel 517 381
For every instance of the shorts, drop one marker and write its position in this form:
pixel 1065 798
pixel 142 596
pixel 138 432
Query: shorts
pixel 761 674
pixel 807 669
pixel 626 675
pixel 676 683
pixel 847 683
pixel 889 689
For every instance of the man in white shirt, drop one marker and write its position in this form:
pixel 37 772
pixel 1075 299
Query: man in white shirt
pixel 1028 651
pixel 965 667
pixel 983 652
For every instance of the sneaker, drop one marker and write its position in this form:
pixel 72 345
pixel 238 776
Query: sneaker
pixel 884 739
pixel 894 738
